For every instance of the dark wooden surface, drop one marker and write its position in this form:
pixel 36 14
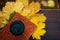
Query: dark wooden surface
pixel 52 25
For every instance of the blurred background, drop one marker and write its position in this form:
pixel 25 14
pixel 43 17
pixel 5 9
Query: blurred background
pixel 45 4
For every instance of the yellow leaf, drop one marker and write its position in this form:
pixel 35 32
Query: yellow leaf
pixel 40 25
pixel 42 18
pixel 8 7
pixel 18 6
pixel 26 12
pixel 37 7
pixel 25 2
pixel 38 33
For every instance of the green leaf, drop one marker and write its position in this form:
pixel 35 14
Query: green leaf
pixel 11 15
